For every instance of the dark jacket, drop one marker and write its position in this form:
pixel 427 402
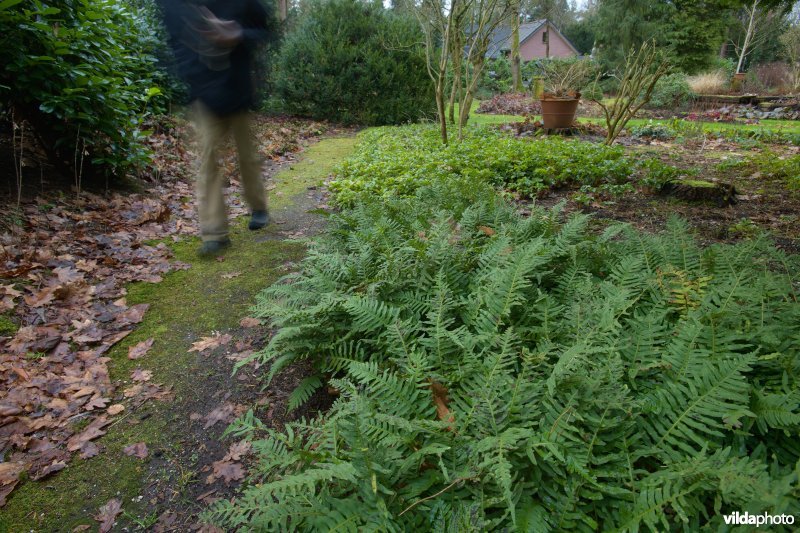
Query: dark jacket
pixel 220 78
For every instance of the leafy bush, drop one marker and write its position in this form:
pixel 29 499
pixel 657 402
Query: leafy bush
pixel 671 91
pixel 354 62
pixel 397 161
pixel 495 78
pixel 652 130
pixel 656 173
pixel 508 372
pixel 82 72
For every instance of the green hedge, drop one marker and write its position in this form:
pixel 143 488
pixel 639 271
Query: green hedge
pixel 354 62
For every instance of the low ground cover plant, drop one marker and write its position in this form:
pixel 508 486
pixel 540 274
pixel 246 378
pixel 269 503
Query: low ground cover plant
pixel 498 371
pixel 769 165
pixel 398 161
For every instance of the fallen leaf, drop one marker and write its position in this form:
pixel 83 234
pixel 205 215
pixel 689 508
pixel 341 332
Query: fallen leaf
pixel 9 477
pixel 137 450
pixel 89 450
pixel 115 409
pixel 42 297
pixel 237 450
pixel 82 527
pixel 231 275
pixel 97 402
pixel 133 315
pixel 487 230
pixel 92 431
pixel 133 390
pixel 108 515
pixel 209 343
pixel 224 413
pixel 239 356
pixel 227 471
pixel 249 322
pixel 167 521
pixel 206 497
pixel 440 399
pixel 140 349
pixel 141 375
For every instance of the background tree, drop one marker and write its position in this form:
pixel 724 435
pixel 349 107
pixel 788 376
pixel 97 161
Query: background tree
pixel 791 44
pixel 755 30
pixel 354 62
pixel 482 20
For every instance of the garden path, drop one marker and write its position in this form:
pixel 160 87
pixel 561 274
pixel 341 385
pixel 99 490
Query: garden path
pixel 161 461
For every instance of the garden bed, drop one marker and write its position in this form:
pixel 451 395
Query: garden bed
pixel 503 365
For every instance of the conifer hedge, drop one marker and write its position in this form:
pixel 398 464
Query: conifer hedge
pixel 354 62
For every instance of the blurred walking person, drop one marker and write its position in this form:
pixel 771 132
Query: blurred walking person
pixel 214 42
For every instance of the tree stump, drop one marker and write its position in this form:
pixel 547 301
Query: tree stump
pixel 722 194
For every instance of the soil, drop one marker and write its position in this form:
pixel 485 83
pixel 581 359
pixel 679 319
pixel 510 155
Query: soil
pixel 761 204
pixel 176 487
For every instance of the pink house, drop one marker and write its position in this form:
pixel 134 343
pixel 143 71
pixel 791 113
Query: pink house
pixel 537 39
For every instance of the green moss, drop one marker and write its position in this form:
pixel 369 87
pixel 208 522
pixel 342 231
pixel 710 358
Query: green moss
pixel 185 306
pixel 7 326
pixel 699 184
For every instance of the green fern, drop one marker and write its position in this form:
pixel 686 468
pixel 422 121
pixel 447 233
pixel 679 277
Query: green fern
pixel 615 382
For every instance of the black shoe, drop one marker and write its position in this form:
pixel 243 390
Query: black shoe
pixel 214 247
pixel 258 220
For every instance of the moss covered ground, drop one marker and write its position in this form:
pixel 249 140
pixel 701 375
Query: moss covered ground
pixel 184 307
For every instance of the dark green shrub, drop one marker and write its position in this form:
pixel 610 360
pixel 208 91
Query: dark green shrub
pixel 354 62
pixel 84 74
pixel 652 130
pixel 495 78
pixel 671 92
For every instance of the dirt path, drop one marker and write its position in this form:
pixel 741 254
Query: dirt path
pixel 186 465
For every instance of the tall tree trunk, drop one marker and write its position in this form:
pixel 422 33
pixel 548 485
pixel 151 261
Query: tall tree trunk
pixel 516 70
pixel 466 102
pixel 457 59
pixel 283 9
pixel 547 42
pixel 748 36
pixel 455 94
pixel 441 111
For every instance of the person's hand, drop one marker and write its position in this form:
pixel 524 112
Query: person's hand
pixel 224 33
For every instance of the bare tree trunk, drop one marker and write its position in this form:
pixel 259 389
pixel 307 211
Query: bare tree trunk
pixel 466 102
pixel 283 9
pixel 547 43
pixel 516 70
pixel 455 93
pixel 748 36
pixel 457 59
pixel 441 111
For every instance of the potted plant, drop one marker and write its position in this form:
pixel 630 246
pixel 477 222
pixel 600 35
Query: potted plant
pixel 563 81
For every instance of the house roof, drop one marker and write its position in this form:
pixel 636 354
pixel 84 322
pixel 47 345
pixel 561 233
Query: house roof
pixel 501 38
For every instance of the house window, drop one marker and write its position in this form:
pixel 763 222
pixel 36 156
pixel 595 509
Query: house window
pixel 544 36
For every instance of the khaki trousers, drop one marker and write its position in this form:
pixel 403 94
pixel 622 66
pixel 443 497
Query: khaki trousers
pixel 212 130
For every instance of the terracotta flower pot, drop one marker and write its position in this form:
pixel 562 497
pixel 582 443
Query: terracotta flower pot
pixel 559 112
